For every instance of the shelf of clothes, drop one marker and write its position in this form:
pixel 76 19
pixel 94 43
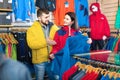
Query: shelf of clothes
pixel 8 45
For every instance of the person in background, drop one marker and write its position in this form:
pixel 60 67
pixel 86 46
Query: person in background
pixel 99 27
pixel 13 70
pixel 69 29
pixel 40 39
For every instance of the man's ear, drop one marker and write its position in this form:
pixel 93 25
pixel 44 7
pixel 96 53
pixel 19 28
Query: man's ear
pixel 39 18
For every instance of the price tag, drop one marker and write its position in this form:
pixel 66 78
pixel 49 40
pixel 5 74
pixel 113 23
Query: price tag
pixel 9 1
pixel 8 17
pixel 66 4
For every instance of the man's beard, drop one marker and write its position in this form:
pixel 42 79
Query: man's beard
pixel 45 23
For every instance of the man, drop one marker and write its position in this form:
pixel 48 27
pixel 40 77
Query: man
pixel 13 70
pixel 39 39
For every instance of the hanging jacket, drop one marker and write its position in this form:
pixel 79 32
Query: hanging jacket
pixel 117 21
pixel 40 4
pixel 37 42
pixel 50 5
pixel 24 10
pixel 81 10
pixel 46 4
pixel 98 24
pixel 61 9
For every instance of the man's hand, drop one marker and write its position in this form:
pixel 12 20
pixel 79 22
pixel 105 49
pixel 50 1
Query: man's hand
pixel 50 42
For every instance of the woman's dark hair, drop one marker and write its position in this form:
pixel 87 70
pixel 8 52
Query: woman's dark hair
pixel 73 18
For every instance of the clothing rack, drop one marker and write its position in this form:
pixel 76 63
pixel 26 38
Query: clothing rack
pixel 98 63
pixel 5 30
pixel 93 53
pixel 19 30
pixel 22 24
pixel 115 32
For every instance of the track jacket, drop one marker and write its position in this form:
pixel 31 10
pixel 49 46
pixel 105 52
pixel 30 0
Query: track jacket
pixel 61 37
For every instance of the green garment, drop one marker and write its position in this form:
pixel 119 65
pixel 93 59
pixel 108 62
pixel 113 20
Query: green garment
pixel 114 44
pixel 117 59
pixel 14 52
pixel 117 21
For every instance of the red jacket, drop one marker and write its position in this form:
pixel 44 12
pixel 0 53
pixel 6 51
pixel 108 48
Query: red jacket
pixel 61 37
pixel 98 24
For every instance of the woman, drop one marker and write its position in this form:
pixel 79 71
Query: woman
pixel 69 29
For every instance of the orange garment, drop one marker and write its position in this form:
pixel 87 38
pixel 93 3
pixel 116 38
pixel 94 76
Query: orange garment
pixel 60 11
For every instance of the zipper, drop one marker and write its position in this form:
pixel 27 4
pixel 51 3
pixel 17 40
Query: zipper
pixel 36 54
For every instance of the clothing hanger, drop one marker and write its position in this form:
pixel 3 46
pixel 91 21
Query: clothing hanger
pixel 82 67
pixel 78 63
pixel 111 74
pixel 4 38
pixel 14 41
pixel 8 38
pixel 112 71
pixel 103 71
pixel 98 70
pixel 106 73
pixel 3 41
pixel 116 75
pixel 89 68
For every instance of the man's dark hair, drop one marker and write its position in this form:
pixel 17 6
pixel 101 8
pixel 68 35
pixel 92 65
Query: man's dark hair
pixel 40 11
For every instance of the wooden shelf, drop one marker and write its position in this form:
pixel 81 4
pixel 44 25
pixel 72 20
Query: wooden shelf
pixel 5 10
pixel 22 24
pixel 6 26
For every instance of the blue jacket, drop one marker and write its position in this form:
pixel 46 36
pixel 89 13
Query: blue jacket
pixel 81 10
pixel 23 9
pixel 110 43
pixel 63 59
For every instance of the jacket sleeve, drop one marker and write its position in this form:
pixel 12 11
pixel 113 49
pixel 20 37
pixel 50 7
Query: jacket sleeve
pixel 107 28
pixel 34 41
pixel 55 48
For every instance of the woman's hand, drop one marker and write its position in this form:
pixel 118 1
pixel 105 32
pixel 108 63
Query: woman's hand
pixel 89 41
pixel 52 56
